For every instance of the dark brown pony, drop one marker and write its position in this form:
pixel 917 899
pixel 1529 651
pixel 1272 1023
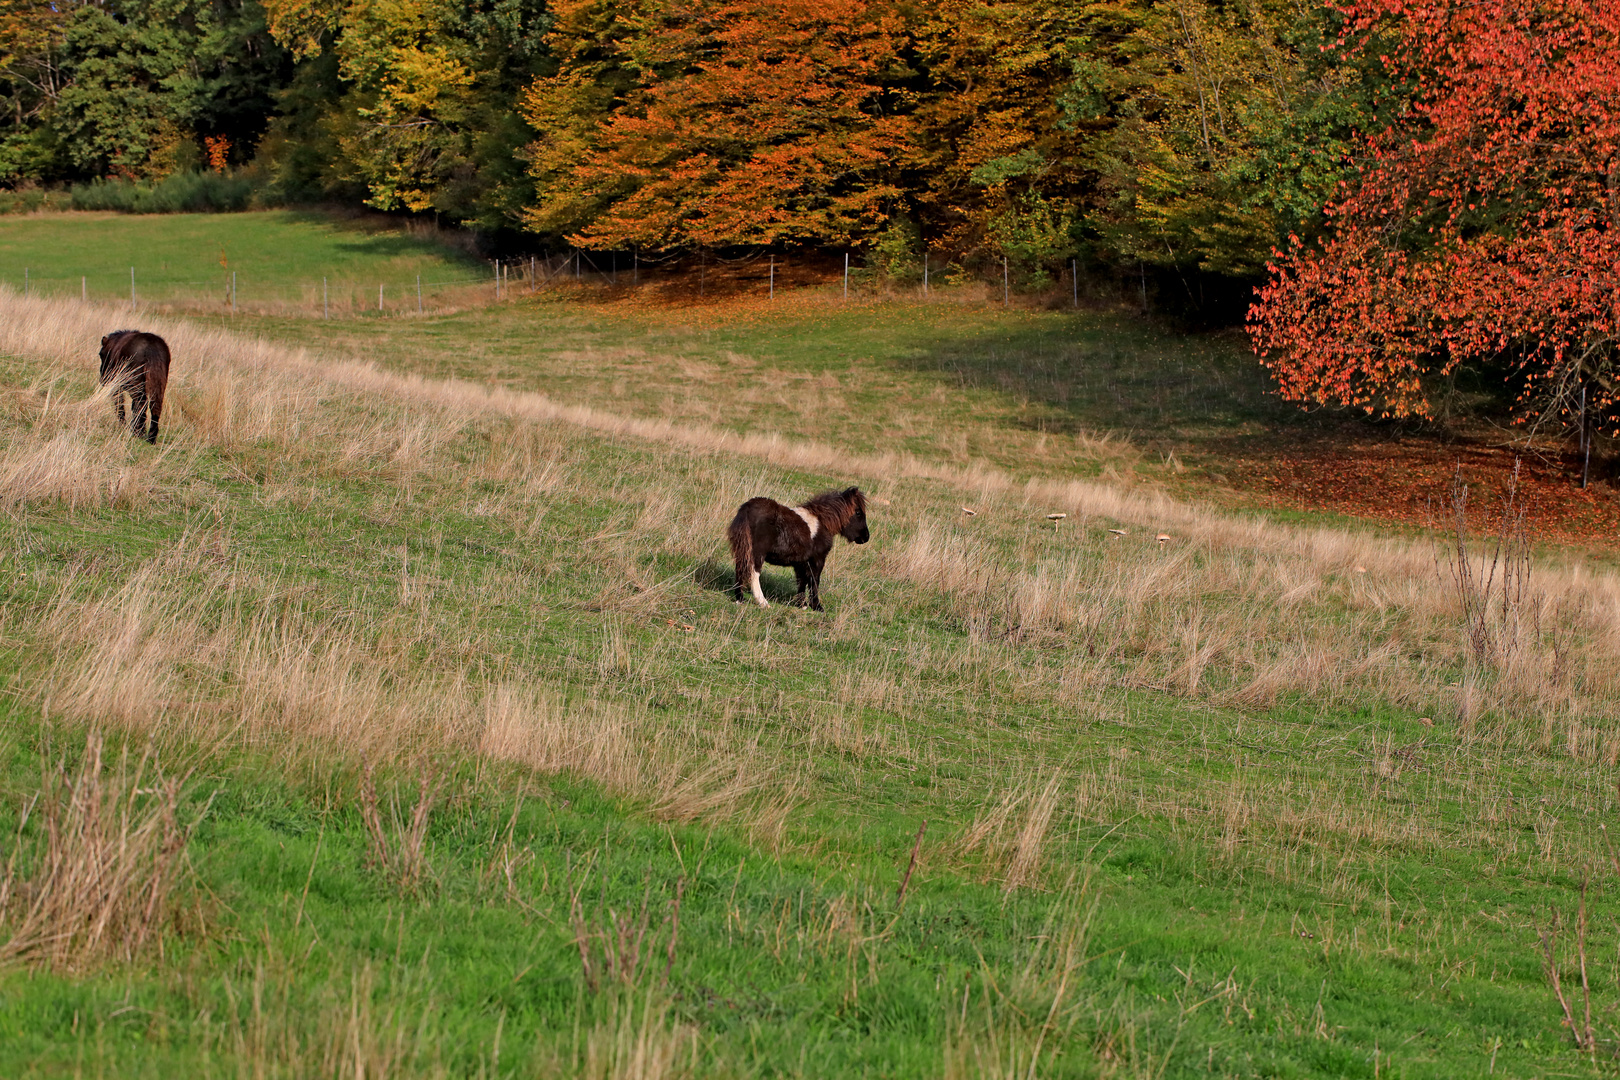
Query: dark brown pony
pixel 765 531
pixel 137 364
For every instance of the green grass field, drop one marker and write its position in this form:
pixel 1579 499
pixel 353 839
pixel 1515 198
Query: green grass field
pixel 1247 802
pixel 279 257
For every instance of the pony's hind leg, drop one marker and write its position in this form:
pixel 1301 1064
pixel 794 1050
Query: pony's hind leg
pixel 137 412
pixel 753 584
pixel 155 404
pixel 748 579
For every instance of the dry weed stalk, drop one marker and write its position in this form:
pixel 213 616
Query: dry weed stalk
pixel 905 879
pixel 614 948
pixel 1028 814
pixel 403 858
pixel 1581 1029
pixel 1492 590
pixel 114 854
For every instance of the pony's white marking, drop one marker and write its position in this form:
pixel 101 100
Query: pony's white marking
pixel 759 594
pixel 809 519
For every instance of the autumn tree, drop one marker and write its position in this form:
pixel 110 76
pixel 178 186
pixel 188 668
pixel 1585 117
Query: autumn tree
pixel 1482 222
pixel 95 90
pixel 719 122
pixel 418 109
pixel 1229 129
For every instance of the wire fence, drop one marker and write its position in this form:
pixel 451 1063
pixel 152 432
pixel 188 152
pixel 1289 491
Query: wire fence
pixel 330 296
pixel 354 296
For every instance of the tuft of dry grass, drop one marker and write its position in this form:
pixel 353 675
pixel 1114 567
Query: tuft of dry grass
pixel 400 852
pixel 1014 1027
pixel 1012 831
pixel 536 727
pixel 101 885
pixel 639 1040
pixel 358 1026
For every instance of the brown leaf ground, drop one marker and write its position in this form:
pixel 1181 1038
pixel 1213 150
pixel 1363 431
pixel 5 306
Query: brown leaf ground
pixel 1405 478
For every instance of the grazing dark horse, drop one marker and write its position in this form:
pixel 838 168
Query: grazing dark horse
pixel 136 363
pixel 765 531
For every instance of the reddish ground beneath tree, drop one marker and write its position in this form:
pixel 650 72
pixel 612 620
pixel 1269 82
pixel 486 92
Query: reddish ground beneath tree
pixel 1407 479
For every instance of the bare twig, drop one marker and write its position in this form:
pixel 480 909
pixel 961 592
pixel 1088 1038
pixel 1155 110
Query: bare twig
pixel 905 879
pixel 675 926
pixel 1580 949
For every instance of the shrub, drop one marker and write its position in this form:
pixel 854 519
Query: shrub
pixel 178 193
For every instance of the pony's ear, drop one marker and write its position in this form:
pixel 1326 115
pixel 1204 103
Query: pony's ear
pixel 852 493
pixel 104 338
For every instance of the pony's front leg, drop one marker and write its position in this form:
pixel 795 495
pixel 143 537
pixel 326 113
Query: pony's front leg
pixel 814 574
pixel 801 572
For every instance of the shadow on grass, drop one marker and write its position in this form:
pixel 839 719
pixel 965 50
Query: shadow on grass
pixel 713 575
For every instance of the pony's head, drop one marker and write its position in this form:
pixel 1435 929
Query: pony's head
pixel 855 530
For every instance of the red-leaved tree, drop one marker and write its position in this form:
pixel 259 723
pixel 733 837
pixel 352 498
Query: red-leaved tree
pixel 1483 224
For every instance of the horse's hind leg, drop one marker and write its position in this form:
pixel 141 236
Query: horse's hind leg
pixel 154 398
pixel 137 412
pixel 753 582
pixel 748 576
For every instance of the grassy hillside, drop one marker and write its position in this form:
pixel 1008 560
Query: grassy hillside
pixel 279 257
pixel 1032 391
pixel 1246 803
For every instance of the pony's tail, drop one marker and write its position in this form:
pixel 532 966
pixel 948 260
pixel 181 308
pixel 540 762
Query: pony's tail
pixel 741 536
pixel 157 382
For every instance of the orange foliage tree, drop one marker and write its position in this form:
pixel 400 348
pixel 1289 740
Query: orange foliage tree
pixel 719 122
pixel 1483 223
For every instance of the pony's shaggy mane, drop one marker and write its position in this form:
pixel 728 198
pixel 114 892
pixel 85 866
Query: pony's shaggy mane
pixel 836 508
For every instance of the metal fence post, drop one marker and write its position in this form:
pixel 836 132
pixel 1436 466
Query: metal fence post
pixel 1006 296
pixel 846 276
pixel 773 277
pixel 419 294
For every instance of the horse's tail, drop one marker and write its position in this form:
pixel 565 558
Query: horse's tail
pixel 157 382
pixel 741 536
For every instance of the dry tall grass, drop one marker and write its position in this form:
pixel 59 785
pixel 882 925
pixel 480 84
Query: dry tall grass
pixel 101 883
